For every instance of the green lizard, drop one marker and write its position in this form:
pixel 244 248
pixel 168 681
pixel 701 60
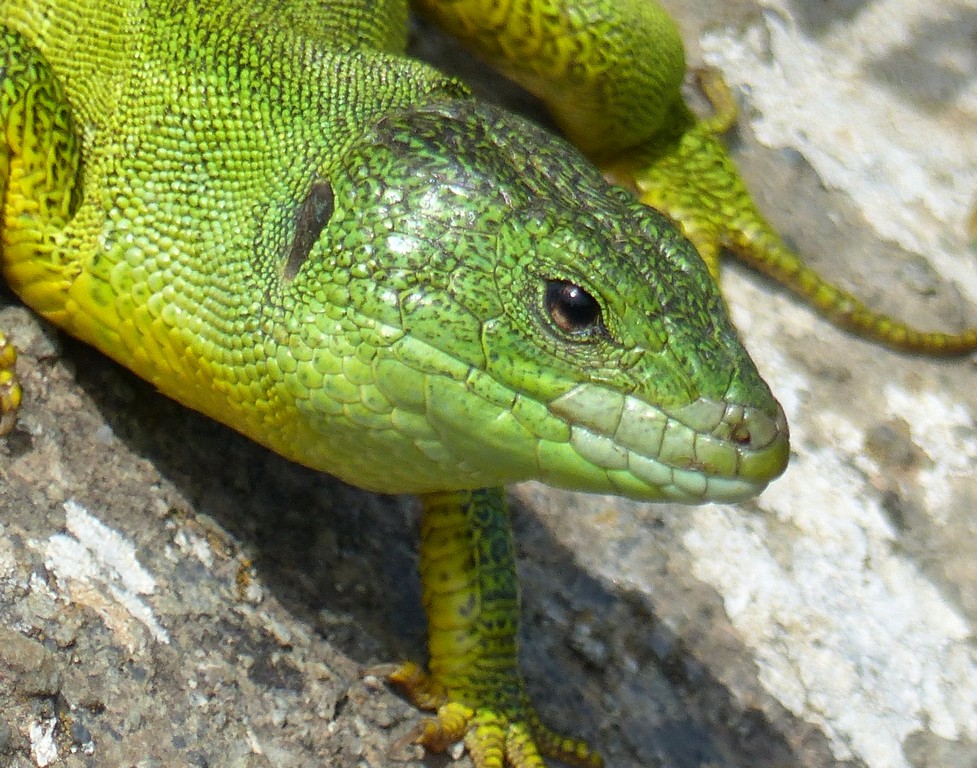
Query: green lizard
pixel 277 219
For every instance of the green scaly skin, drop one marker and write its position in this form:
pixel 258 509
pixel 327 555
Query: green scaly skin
pixel 278 220
pixel 610 72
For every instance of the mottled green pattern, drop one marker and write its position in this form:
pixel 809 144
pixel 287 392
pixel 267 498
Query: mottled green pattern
pixel 278 220
pixel 411 351
pixel 610 72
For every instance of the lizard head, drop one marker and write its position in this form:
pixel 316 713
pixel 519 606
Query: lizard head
pixel 517 318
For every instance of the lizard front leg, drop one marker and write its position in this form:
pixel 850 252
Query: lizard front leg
pixel 39 160
pixel 610 72
pixel 471 597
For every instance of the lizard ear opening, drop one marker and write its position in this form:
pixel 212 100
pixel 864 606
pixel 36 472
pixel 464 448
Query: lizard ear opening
pixel 311 218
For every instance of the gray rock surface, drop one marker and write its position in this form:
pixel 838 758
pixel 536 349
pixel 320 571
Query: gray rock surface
pixel 173 595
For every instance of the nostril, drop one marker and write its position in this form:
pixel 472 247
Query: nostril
pixel 746 428
pixel 738 426
pixel 752 429
pixel 740 434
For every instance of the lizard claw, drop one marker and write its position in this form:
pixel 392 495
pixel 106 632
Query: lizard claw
pixel 10 392
pixel 507 735
pixel 713 86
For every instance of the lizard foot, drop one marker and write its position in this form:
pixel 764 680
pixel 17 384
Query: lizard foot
pixel 10 392
pixel 507 734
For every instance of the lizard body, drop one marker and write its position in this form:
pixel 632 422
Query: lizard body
pixel 334 341
pixel 280 221
pixel 341 254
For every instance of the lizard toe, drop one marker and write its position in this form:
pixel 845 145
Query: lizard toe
pixel 10 391
pixel 508 734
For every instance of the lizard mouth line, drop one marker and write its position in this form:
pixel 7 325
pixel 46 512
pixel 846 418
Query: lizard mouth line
pixel 705 451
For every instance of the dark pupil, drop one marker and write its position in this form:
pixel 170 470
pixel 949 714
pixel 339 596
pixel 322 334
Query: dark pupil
pixel 571 307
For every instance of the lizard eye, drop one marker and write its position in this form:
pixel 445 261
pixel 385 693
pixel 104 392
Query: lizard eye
pixel 572 309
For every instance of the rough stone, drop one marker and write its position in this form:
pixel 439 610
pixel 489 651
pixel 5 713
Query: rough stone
pixel 828 623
